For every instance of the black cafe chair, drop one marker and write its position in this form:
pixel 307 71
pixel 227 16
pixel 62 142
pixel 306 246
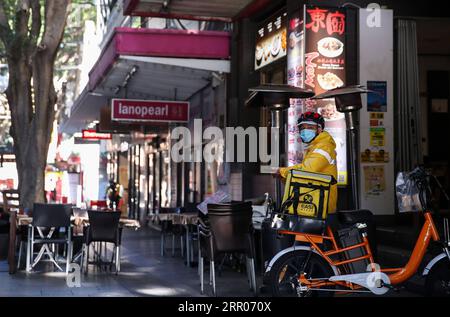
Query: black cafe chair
pixel 227 230
pixel 45 230
pixel 169 229
pixel 103 227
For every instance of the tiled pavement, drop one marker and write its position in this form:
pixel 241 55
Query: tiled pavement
pixel 144 272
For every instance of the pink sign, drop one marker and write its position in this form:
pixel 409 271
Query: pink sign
pixel 149 110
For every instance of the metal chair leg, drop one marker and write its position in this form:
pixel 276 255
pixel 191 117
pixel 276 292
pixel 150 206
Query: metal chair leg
pixel 20 255
pixel 69 249
pixel 117 259
pixel 248 271
pixel 213 274
pixel 30 246
pixel 162 243
pixel 88 246
pixel 210 274
pixel 200 265
pixel 173 244
pixel 83 249
pixel 253 275
pixel 182 244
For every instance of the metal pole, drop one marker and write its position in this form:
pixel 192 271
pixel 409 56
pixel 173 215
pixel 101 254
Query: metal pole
pixel 277 122
pixel 352 139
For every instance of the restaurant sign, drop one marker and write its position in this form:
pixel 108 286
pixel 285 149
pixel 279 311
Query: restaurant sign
pixel 325 29
pixel 90 134
pixel 271 42
pixel 316 61
pixel 149 110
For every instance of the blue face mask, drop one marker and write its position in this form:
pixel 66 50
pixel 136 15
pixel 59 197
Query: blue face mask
pixel 307 135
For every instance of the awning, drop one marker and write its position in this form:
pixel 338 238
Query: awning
pixel 211 10
pixel 152 65
pixel 85 110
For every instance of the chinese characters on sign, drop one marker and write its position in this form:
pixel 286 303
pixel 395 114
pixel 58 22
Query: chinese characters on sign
pixel 324 19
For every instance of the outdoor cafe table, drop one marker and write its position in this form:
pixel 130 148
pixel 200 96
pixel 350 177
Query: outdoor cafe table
pixel 25 220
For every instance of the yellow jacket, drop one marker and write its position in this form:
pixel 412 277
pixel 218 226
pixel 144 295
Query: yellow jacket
pixel 320 157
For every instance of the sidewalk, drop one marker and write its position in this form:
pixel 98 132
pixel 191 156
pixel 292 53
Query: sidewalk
pixel 143 273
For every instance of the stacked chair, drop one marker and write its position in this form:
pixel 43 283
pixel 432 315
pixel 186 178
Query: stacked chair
pixel 227 229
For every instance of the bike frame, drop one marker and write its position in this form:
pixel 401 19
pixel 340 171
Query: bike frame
pixel 396 275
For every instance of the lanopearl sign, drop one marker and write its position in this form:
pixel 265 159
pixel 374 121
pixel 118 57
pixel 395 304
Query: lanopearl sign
pixel 149 110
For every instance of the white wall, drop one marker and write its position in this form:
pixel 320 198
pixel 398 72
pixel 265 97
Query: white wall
pixel 377 64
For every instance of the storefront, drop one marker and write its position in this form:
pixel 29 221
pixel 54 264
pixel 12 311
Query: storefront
pixel 315 46
pixel 136 90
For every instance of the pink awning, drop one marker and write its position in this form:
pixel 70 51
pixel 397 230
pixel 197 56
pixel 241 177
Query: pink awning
pixel 160 43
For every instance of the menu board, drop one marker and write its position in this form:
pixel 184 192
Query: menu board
pixel 271 43
pixel 324 60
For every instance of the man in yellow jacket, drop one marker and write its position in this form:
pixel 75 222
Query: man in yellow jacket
pixel 320 155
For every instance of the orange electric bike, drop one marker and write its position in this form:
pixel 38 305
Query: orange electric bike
pixel 318 264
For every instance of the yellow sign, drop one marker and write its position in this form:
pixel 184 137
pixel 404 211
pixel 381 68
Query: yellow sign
pixel 369 156
pixel 376 116
pixel 377 137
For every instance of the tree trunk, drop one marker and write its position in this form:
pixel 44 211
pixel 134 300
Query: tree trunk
pixel 31 94
pixel 31 135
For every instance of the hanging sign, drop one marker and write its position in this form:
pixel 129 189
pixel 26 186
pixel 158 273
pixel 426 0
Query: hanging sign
pixel 91 134
pixel 324 69
pixel 271 42
pixel 149 110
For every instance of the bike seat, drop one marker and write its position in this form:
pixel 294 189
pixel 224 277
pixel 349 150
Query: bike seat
pixel 351 217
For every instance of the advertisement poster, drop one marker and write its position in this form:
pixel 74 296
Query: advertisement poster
pixel 271 42
pixel 377 101
pixel 377 137
pixel 295 67
pixel 324 70
pixel 374 180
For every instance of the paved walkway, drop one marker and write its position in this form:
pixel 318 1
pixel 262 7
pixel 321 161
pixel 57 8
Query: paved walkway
pixel 144 272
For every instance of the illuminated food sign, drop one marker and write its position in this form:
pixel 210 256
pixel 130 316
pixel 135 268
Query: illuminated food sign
pixel 325 70
pixel 271 42
pixel 318 56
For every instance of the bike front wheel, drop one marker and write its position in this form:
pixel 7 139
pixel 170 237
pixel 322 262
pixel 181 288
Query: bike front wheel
pixel 283 277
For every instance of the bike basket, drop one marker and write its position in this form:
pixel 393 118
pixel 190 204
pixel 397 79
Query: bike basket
pixel 410 195
pixel 305 203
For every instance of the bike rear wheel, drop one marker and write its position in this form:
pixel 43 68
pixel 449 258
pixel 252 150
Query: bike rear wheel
pixel 283 277
pixel 438 280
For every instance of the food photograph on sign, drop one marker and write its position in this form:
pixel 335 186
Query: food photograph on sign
pixel 271 42
pixel 295 69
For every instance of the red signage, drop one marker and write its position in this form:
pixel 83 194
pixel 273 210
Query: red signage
pixel 94 135
pixel 149 110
